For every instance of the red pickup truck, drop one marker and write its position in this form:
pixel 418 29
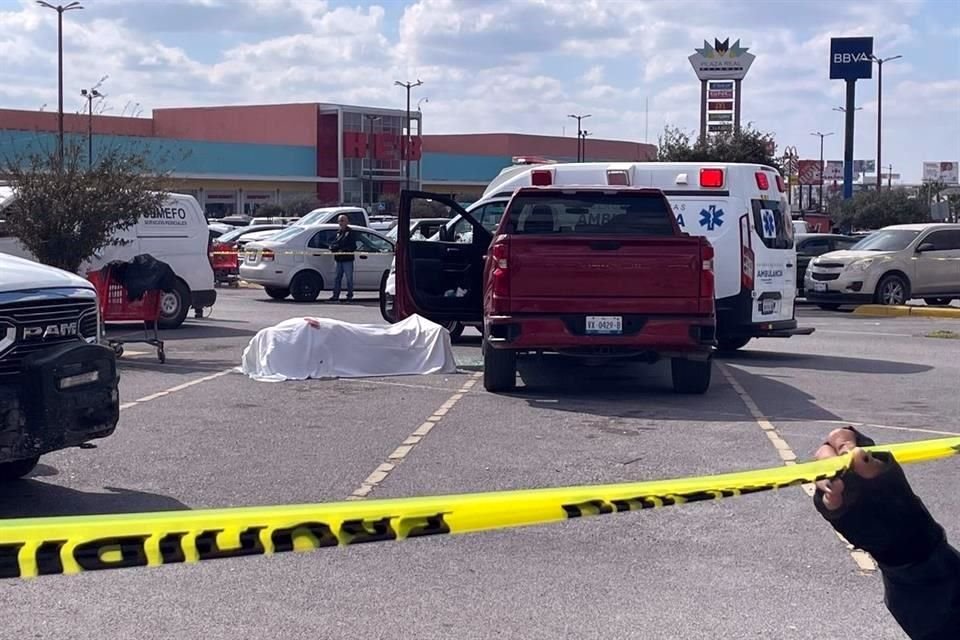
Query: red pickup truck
pixel 580 271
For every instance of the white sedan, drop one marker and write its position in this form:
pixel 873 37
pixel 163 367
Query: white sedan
pixel 298 262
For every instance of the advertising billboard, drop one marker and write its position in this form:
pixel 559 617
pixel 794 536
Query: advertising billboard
pixel 721 60
pixel 809 171
pixel 720 95
pixel 720 127
pixel 946 172
pixel 719 106
pixel 851 58
pixel 833 170
pixel 720 117
pixel 721 86
pixel 864 166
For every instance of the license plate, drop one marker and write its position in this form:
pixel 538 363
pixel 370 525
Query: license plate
pixel 820 286
pixel 604 325
pixel 768 306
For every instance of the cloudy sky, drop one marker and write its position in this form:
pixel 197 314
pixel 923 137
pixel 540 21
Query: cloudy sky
pixel 505 65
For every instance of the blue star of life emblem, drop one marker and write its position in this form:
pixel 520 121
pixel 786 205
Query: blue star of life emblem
pixel 711 217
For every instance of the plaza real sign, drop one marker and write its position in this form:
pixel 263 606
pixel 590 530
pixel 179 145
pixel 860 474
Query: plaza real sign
pixel 722 61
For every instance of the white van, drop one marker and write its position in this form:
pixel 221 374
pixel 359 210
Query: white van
pixel 740 208
pixel 175 233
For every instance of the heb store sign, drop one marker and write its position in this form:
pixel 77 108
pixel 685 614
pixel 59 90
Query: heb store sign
pixel 381 146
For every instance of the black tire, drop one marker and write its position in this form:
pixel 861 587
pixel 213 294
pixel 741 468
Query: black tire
pixel 277 293
pixel 691 376
pixel 731 343
pixel 938 302
pixel 306 286
pixel 892 289
pixel 829 307
pixel 17 468
pixel 455 329
pixel 174 306
pixel 386 314
pixel 499 369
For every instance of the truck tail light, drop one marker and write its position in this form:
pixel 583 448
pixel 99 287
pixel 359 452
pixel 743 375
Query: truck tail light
pixel 618 177
pixel 707 279
pixel 500 276
pixel 747 261
pixel 541 178
pixel 780 186
pixel 762 182
pixel 267 255
pixel 712 178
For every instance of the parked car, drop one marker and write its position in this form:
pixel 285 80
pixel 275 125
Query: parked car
pixel 356 216
pixel 811 245
pixel 225 250
pixel 297 261
pixel 601 272
pixel 236 221
pixel 420 228
pixel 382 223
pixel 890 266
pixel 281 220
pixel 217 229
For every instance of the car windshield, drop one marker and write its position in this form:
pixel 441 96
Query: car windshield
pixel 886 240
pixel 315 217
pixel 230 236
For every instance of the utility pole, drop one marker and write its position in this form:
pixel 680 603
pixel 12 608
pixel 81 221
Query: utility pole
pixel 370 120
pixel 407 141
pixel 579 119
pixel 880 62
pixel 821 136
pixel 583 145
pixel 90 94
pixel 60 9
pixel 889 177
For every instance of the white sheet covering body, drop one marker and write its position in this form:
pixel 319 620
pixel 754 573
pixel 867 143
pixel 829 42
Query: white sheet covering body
pixel 297 349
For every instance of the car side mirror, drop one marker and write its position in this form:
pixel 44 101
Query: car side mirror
pixel 926 246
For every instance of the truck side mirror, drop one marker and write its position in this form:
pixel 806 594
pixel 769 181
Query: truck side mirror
pixel 926 246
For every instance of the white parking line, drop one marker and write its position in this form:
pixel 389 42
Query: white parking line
pixel 863 559
pixel 179 387
pixel 401 452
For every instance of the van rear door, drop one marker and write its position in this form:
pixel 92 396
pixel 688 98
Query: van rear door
pixel 775 279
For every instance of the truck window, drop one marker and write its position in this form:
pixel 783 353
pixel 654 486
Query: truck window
pixel 356 219
pixel 588 212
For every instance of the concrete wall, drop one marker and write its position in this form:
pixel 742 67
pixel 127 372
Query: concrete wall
pixel 181 156
pixel 283 124
pixel 47 121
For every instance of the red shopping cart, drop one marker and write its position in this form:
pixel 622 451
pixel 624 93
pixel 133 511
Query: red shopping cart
pixel 116 306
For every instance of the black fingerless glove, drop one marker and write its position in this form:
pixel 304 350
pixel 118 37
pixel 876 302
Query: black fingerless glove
pixel 882 515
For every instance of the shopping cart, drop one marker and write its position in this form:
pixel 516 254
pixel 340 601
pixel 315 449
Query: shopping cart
pixel 115 306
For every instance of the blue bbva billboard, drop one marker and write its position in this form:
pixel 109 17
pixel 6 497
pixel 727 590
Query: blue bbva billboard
pixel 851 58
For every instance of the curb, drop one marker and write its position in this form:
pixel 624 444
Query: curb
pixel 884 311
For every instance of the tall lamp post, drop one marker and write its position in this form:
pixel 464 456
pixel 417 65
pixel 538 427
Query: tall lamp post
pixel 90 94
pixel 60 9
pixel 370 120
pixel 880 62
pixel 579 119
pixel 821 136
pixel 583 144
pixel 406 146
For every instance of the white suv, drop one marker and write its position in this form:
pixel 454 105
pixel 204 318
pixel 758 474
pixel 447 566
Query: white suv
pixel 890 266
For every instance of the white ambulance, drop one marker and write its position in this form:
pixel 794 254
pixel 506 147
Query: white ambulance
pixel 740 208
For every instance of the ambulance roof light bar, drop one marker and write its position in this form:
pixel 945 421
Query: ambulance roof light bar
pixel 520 160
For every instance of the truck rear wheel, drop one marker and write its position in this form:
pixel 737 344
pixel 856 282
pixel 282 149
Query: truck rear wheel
pixel 499 369
pixel 731 343
pixel 691 376
pixel 17 469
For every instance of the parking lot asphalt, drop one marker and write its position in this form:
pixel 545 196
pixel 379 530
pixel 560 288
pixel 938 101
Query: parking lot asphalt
pixel 194 433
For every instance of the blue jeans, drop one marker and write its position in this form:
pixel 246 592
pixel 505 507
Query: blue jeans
pixel 343 269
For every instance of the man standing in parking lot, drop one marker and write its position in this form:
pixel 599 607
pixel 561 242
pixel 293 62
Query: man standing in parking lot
pixel 343 247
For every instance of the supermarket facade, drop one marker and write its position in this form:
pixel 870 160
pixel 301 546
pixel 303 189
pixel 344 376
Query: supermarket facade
pixel 234 159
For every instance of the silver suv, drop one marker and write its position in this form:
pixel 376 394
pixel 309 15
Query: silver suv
pixel 890 266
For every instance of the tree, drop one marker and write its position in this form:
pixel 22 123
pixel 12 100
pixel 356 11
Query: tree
pixel 270 210
pixel 876 209
pixel 64 213
pixel 748 146
pixel 301 207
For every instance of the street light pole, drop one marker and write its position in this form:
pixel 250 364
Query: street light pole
pixel 880 62
pixel 60 10
pixel 821 136
pixel 90 94
pixel 406 146
pixel 370 120
pixel 579 119
pixel 583 145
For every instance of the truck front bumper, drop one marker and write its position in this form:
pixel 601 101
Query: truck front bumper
pixel 65 397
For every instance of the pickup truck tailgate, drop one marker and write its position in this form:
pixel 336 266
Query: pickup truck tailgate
pixel 591 274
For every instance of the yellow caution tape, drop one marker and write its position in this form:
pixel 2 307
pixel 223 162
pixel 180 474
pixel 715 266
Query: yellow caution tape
pixel 71 544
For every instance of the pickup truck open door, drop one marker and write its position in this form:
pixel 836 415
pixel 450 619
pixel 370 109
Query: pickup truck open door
pixel 440 278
